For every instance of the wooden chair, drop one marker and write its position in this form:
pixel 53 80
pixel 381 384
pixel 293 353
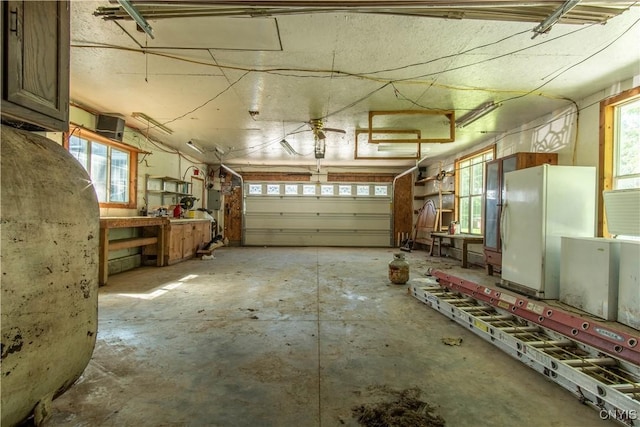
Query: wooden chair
pixel 426 223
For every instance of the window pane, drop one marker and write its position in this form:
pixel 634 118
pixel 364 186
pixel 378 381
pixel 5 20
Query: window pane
pixel 464 215
pixel 626 183
pixel 99 170
pixel 476 215
pixel 464 181
pixel 488 156
pixel 119 189
pixel 628 140
pixel 78 149
pixel 477 174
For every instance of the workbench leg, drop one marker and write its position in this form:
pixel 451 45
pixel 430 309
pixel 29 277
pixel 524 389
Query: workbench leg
pixel 489 268
pixel 464 254
pixel 103 260
pixel 440 246
pixel 160 248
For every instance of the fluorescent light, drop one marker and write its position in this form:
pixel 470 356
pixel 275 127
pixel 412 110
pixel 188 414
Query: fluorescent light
pixel 552 19
pixel 135 15
pixel 288 148
pixel 195 147
pixel 219 150
pixel 143 118
pixel 476 113
pixel 394 148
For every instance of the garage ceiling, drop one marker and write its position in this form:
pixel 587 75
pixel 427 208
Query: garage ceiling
pixel 237 77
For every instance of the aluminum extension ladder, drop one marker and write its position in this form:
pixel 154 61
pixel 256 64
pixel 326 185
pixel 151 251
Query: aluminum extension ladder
pixel 599 365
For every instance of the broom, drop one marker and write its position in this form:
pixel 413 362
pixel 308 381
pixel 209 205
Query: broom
pixel 407 245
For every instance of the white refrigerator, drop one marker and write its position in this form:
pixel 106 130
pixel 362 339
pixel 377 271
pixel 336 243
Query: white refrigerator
pixel 541 205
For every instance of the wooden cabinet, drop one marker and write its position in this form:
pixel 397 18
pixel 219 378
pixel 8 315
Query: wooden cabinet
pixel 35 61
pixel 184 237
pixel 493 195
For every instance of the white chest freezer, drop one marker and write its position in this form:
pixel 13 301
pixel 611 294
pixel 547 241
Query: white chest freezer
pixel 629 284
pixel 589 275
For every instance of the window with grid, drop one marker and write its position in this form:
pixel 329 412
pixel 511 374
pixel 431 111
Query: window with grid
pixel 626 145
pixel 111 167
pixel 470 190
pixel 619 166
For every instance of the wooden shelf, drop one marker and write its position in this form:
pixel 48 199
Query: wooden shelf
pixel 423 181
pixel 437 193
pixel 169 179
pixel 175 193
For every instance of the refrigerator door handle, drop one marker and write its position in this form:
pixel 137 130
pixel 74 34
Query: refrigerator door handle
pixel 503 213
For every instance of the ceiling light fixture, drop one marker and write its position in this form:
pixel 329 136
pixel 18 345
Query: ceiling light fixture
pixel 219 150
pixel 287 147
pixel 135 15
pixel 195 147
pixel 143 118
pixel 553 19
pixel 320 148
pixel 476 113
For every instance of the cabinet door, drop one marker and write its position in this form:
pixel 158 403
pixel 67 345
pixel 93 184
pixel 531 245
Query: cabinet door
pixel 37 62
pixel 188 248
pixel 174 241
pixel 491 206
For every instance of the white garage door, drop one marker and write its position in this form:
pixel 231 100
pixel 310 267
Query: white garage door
pixel 311 214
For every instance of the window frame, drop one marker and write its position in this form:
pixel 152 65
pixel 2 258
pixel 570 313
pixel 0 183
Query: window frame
pixel 468 157
pixel 91 136
pixel 606 158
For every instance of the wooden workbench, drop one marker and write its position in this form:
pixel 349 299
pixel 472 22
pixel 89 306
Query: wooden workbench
pixel 107 223
pixel 464 238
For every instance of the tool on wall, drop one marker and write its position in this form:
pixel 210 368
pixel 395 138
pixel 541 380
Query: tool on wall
pixel 407 245
pixel 188 202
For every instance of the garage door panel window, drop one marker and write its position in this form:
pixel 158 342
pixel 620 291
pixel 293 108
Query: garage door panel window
pixel 318 214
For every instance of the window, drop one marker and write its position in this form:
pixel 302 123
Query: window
pixel 626 145
pixel 111 166
pixel 619 164
pixel 470 190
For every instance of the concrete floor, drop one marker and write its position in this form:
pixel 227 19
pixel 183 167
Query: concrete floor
pixel 294 337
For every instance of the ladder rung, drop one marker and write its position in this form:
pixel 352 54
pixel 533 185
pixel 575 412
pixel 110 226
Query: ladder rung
pixel 476 308
pixel 516 329
pixel 495 317
pixel 627 388
pixel 546 344
pixel 458 300
pixel 600 361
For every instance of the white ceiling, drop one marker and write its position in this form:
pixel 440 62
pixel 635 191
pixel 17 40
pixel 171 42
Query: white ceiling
pixel 202 76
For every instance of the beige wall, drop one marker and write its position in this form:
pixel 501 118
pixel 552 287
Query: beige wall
pixel 163 160
pixel 575 137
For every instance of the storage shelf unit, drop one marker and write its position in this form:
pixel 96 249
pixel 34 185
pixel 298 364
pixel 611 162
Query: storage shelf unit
pixel 440 190
pixel 163 191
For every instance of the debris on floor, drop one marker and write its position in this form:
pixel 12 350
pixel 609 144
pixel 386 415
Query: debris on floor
pixel 399 409
pixel 452 340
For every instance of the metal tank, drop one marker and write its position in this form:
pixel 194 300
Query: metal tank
pixel 49 222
